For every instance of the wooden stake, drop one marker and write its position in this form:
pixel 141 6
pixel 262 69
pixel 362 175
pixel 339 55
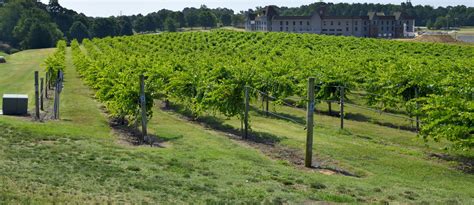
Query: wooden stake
pixel 417 109
pixel 46 86
pixel 266 106
pixel 342 106
pixel 310 124
pixel 42 93
pixel 246 113
pixel 143 108
pixel 37 106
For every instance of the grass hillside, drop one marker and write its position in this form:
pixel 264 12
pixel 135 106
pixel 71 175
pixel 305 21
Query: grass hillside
pixel 80 159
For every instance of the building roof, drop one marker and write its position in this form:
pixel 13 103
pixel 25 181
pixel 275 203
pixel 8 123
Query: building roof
pixel 344 17
pixel 291 17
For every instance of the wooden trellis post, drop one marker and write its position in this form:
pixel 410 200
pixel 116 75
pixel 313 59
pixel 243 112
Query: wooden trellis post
pixel 417 110
pixel 37 106
pixel 342 105
pixel 309 124
pixel 246 112
pixel 42 93
pixel 143 108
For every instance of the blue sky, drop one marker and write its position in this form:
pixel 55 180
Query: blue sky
pixel 129 7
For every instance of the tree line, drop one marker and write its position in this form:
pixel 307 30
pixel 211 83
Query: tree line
pixel 28 24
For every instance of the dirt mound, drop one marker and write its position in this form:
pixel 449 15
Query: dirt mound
pixel 436 39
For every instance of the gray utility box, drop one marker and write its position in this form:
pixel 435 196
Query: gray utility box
pixel 15 104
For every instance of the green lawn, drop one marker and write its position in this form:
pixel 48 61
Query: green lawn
pixel 17 75
pixel 79 159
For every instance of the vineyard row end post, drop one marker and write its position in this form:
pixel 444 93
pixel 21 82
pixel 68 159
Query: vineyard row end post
pixel 41 93
pixel 417 110
pixel 37 106
pixel 342 105
pixel 143 108
pixel 246 112
pixel 310 124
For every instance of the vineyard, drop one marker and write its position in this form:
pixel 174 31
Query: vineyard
pixel 207 72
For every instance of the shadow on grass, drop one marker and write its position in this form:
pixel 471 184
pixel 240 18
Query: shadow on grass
pixel 362 118
pixel 464 163
pixel 285 116
pixel 130 134
pixel 266 142
pixel 219 124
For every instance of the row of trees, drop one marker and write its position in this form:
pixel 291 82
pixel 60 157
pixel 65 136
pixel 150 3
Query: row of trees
pixel 188 17
pixel 424 15
pixel 30 24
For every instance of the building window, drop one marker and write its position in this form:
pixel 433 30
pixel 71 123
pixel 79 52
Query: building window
pixel 338 23
pixel 347 23
pixel 355 29
pixel 307 23
pixel 381 28
pixel 287 23
pixel 281 23
pixel 281 28
pixel 347 28
pixel 324 23
pixel 339 29
pixel 365 28
pixel 332 23
pixel 381 22
pixel 331 29
pixel 286 28
pixel 325 30
pixel 294 23
pixel 301 23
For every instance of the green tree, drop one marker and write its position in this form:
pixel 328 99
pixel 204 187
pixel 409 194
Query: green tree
pixel 103 27
pixel 226 19
pixel 35 30
pixel 207 19
pixel 429 24
pixel 170 25
pixel 124 27
pixel 79 31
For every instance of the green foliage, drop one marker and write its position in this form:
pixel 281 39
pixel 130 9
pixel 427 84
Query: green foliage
pixel 56 62
pixel 207 19
pixel 79 31
pixel 450 113
pixel 34 30
pixel 118 90
pixel 208 71
pixel 170 25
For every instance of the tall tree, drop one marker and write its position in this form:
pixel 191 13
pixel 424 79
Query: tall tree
pixel 79 31
pixel 170 24
pixel 103 27
pixel 207 19
pixel 226 19
pixel 124 27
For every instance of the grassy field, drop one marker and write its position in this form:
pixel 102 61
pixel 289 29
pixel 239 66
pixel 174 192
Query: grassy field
pixel 81 159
